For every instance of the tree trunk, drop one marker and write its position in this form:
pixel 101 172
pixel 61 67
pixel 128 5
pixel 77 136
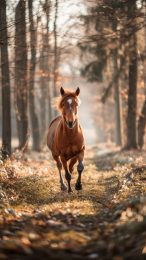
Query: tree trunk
pixel 21 91
pixel 32 110
pixel 141 126
pixel 142 117
pixel 43 86
pixel 6 102
pixel 55 50
pixel 47 47
pixel 45 101
pixel 118 136
pixel 132 91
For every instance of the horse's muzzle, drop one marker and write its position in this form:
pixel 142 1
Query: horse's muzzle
pixel 71 124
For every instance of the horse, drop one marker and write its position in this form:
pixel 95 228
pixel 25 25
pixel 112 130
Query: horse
pixel 65 138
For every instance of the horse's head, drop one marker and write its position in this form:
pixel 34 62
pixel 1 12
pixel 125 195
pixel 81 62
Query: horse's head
pixel 69 104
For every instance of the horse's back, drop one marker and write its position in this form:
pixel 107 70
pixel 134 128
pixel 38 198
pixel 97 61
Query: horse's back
pixel 51 132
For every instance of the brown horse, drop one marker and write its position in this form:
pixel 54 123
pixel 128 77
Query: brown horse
pixel 65 138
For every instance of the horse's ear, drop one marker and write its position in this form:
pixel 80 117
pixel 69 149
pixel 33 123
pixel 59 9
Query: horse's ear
pixel 77 91
pixel 62 92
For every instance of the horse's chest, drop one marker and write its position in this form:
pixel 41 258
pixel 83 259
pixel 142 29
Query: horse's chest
pixel 70 151
pixel 73 149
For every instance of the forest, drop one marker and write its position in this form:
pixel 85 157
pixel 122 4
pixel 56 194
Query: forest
pixel 73 102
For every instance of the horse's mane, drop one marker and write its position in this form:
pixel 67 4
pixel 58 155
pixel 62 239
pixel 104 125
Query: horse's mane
pixel 58 102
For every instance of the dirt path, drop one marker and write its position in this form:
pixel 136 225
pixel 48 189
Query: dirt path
pixel 38 221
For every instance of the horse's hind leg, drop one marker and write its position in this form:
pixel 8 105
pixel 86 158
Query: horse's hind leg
pixel 80 168
pixel 59 166
pixel 67 173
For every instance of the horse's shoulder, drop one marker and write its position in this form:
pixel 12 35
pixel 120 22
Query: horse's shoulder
pixel 52 130
pixel 55 120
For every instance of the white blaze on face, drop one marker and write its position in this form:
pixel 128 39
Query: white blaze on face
pixel 70 102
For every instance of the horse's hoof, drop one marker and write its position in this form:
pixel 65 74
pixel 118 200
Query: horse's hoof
pixel 63 188
pixel 78 186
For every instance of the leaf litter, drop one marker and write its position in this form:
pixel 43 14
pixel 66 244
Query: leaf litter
pixel 106 220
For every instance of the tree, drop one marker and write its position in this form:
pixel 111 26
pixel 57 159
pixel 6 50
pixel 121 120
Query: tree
pixel 118 128
pixel 21 90
pixel 106 14
pixel 47 11
pixel 116 24
pixel 142 117
pixel 6 103
pixel 55 50
pixel 132 88
pixel 45 100
pixel 32 109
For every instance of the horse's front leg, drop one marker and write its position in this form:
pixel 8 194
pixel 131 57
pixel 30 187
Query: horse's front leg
pixel 72 163
pixel 80 168
pixel 67 173
pixel 59 166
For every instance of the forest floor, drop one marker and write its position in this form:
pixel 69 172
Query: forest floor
pixel 106 220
